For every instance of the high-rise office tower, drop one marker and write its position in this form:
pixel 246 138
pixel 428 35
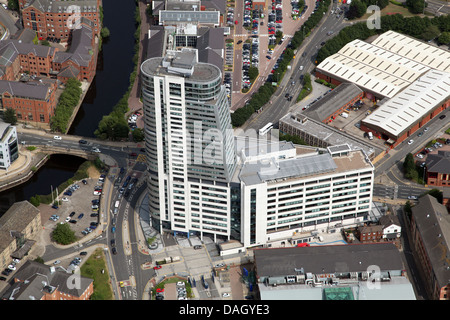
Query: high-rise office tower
pixel 189 144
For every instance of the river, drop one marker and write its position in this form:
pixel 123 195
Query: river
pixel 114 67
pixel 56 170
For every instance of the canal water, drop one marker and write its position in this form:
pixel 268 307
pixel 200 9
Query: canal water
pixel 114 67
pixel 58 169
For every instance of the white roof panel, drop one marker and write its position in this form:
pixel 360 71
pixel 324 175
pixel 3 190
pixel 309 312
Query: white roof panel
pixel 410 105
pixel 372 68
pixel 415 50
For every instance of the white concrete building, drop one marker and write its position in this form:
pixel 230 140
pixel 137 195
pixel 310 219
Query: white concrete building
pixel 9 149
pixel 204 181
pixel 300 189
pixel 189 144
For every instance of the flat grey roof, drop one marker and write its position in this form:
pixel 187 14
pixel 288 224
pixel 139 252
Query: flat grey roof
pixel 327 259
pixel 273 169
pixel 202 72
pixel 325 107
pixel 206 17
pixel 328 134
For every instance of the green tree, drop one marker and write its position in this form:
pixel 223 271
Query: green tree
pixel 431 32
pixel 62 234
pixel 66 104
pixel 416 6
pixel 357 9
pixel 407 208
pixel 9 116
pixel 13 5
pixel 409 165
pixel 105 33
pixel 138 135
pixel 444 38
pixel 253 73
pixel 36 200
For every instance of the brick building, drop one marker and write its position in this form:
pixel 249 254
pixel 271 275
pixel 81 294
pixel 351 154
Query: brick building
pixel 19 229
pixel 430 233
pixel 37 281
pixel 408 79
pixel 334 103
pixel 438 169
pixel 19 57
pixel 80 60
pixel 55 19
pixel 34 101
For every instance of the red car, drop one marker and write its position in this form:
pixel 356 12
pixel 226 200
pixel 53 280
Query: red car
pixel 133 154
pixel 156 267
pixel 236 22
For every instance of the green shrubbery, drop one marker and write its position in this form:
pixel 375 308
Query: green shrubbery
pixel 307 87
pixel 66 105
pixel 62 234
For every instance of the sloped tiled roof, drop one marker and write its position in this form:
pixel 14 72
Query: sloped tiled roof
pixel 19 89
pixel 439 162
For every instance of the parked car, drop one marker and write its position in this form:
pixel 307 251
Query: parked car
pixel 81 215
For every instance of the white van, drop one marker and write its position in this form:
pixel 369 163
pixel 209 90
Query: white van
pixel 370 135
pixel 301 68
pixel 116 205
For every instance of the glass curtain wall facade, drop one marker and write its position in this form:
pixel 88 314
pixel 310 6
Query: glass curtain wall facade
pixel 189 144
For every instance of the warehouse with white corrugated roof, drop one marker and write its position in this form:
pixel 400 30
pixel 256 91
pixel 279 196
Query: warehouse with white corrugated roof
pixel 410 77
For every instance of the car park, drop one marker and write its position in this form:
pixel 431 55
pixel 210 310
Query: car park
pixel 7 272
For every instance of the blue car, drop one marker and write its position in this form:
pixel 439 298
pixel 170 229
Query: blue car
pixel 113 229
pixel 68 193
pixel 81 215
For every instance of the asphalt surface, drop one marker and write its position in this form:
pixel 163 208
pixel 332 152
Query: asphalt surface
pixel 280 106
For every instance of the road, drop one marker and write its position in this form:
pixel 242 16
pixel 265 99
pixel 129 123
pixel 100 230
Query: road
pixel 436 127
pixel 280 106
pixel 265 66
pixel 119 152
pixel 438 7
